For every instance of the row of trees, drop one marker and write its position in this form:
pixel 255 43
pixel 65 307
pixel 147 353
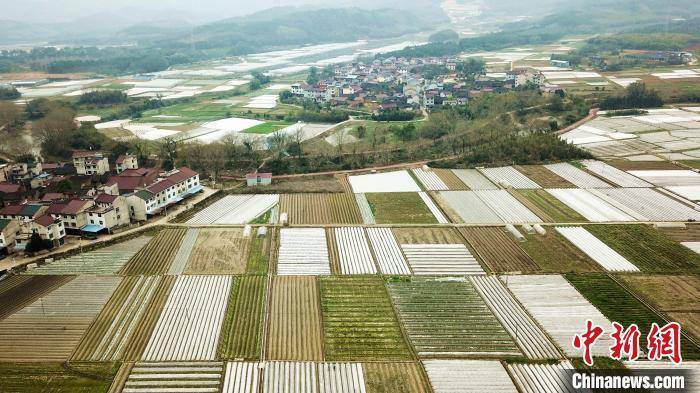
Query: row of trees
pixel 636 96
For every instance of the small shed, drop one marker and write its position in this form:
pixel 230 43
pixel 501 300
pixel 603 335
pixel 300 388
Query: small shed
pixel 258 179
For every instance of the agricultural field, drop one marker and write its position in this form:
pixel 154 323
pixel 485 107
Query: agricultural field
pixel 598 251
pixel 619 305
pixel 341 377
pixel 57 377
pixel 242 377
pixel 551 206
pixel 613 175
pixel 303 251
pixel 156 256
pixel 468 376
pixel 189 326
pixel 397 181
pixel 241 335
pixel 474 180
pixel 576 176
pixel 646 204
pixel 184 252
pixel 509 177
pixel 427 235
pixel 441 259
pixel 294 325
pixel 395 377
pixel 259 254
pixel 543 176
pixel 507 207
pixel 554 254
pixel 219 251
pixel 542 378
pixel 289 377
pixel 235 209
pixel 686 233
pixel 122 329
pixel 365 209
pixel 447 317
pixel 433 207
pixel 108 260
pixel 467 207
pixel 359 321
pixel 387 251
pixel 647 248
pixel 339 208
pixel 559 309
pixel 498 249
pixel 678 297
pixel 429 179
pixel 148 377
pixel 588 205
pixel 17 292
pixel 449 179
pixel 51 327
pixel 350 251
pixel 400 208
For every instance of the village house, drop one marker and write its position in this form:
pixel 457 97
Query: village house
pixel 73 213
pixel 10 193
pixel 108 213
pixel 24 213
pixel 47 227
pixel 5 171
pixel 22 171
pixel 90 163
pixel 9 229
pixel 125 162
pixel 175 186
pixel 258 179
pixel 131 180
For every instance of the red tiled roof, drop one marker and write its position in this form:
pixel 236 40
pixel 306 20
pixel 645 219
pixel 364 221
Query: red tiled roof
pixel 155 188
pixel 85 153
pixel 105 198
pixel 75 206
pixel 45 220
pixel 137 172
pixel 127 184
pixel 264 175
pixel 9 188
pixel 11 210
pixel 183 173
pixel 56 208
pixel 120 159
pixel 52 196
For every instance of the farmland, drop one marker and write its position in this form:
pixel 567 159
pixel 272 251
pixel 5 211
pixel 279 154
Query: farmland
pixel 219 251
pixel 57 377
pixel 387 251
pixel 448 318
pixel 448 376
pixel 339 208
pixel 17 292
pixel 399 208
pixel 543 176
pixel 156 256
pixel 450 179
pixel 349 246
pixel 605 256
pixel 555 209
pixel 147 377
pixel 295 331
pixel 498 249
pixel 554 254
pixel 241 335
pixel 619 305
pixel 394 377
pixel 647 248
pixel 259 255
pixel 358 320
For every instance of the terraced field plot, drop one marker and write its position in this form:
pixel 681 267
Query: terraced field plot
pixel 605 256
pixel 467 207
pixel 543 176
pixel 353 252
pixel 468 376
pixel 189 326
pixel 474 180
pixel 122 329
pixel 201 377
pixel 16 292
pixel 559 308
pixel 429 179
pixel 554 254
pixel 156 256
pixel 400 208
pixel 395 377
pixel 509 177
pixel 498 249
pixel 57 377
pixel 106 260
pixel 676 296
pixel 647 248
pixel 219 251
pixel 303 251
pixel 387 250
pixel 340 208
pixel 242 377
pixel 589 205
pixel 359 321
pixel 450 179
pixel 447 317
pixel 555 209
pixel 241 336
pixel 613 175
pixel 294 330
pixel 235 209
pixel 527 334
pixel 576 176
pixel 542 378
pixel 51 327
pixel 619 305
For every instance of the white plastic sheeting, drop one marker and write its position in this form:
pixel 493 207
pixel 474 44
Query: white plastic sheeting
pixel 387 250
pixel 397 181
pixel 614 175
pixel 597 250
pixel 235 209
pixel 588 205
pixel 576 176
pixel 509 176
pixel 303 251
pixel 468 376
pixel 428 259
pixel 353 251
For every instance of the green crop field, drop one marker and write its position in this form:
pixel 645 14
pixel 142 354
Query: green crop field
pixel 620 306
pixel 448 317
pixel 558 211
pixel 647 248
pixel 57 377
pixel 267 128
pixel 358 320
pixel 553 253
pixel 399 208
pixel 241 336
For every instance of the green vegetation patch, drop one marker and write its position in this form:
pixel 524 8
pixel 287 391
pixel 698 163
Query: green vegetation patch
pixel 57 377
pixel 241 336
pixel 620 306
pixel 399 208
pixel 359 321
pixel 259 256
pixel 448 317
pixel 558 211
pixel 266 128
pixel 553 253
pixel 647 248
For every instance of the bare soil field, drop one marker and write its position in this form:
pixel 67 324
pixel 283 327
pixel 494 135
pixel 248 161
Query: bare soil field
pixel 691 233
pixel 320 208
pixel 294 331
pixel 16 292
pixel 627 165
pixel 450 179
pixel 294 185
pixel 219 251
pixel 543 176
pixel 498 249
pixel 553 253
pixel 156 256
pixel 333 255
pixel 428 235
pixel 395 377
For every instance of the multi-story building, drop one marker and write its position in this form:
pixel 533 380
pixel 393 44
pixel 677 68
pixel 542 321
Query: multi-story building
pixel 73 213
pixel 172 188
pixel 47 227
pixel 109 212
pixel 90 163
pixel 9 229
pixel 125 162
pixel 23 213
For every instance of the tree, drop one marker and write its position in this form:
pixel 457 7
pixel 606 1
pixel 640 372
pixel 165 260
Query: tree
pixel 55 131
pixel 9 93
pixel 313 77
pixel 444 36
pixel 64 186
pixel 406 133
pixel 10 116
pixel 36 244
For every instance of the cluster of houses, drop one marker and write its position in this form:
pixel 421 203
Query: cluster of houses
pixel 399 83
pixel 87 196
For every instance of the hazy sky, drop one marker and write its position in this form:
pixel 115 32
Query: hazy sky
pixel 47 11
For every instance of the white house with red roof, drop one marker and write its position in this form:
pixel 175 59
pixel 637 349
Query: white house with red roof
pixel 127 161
pixel 171 188
pixel 90 163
